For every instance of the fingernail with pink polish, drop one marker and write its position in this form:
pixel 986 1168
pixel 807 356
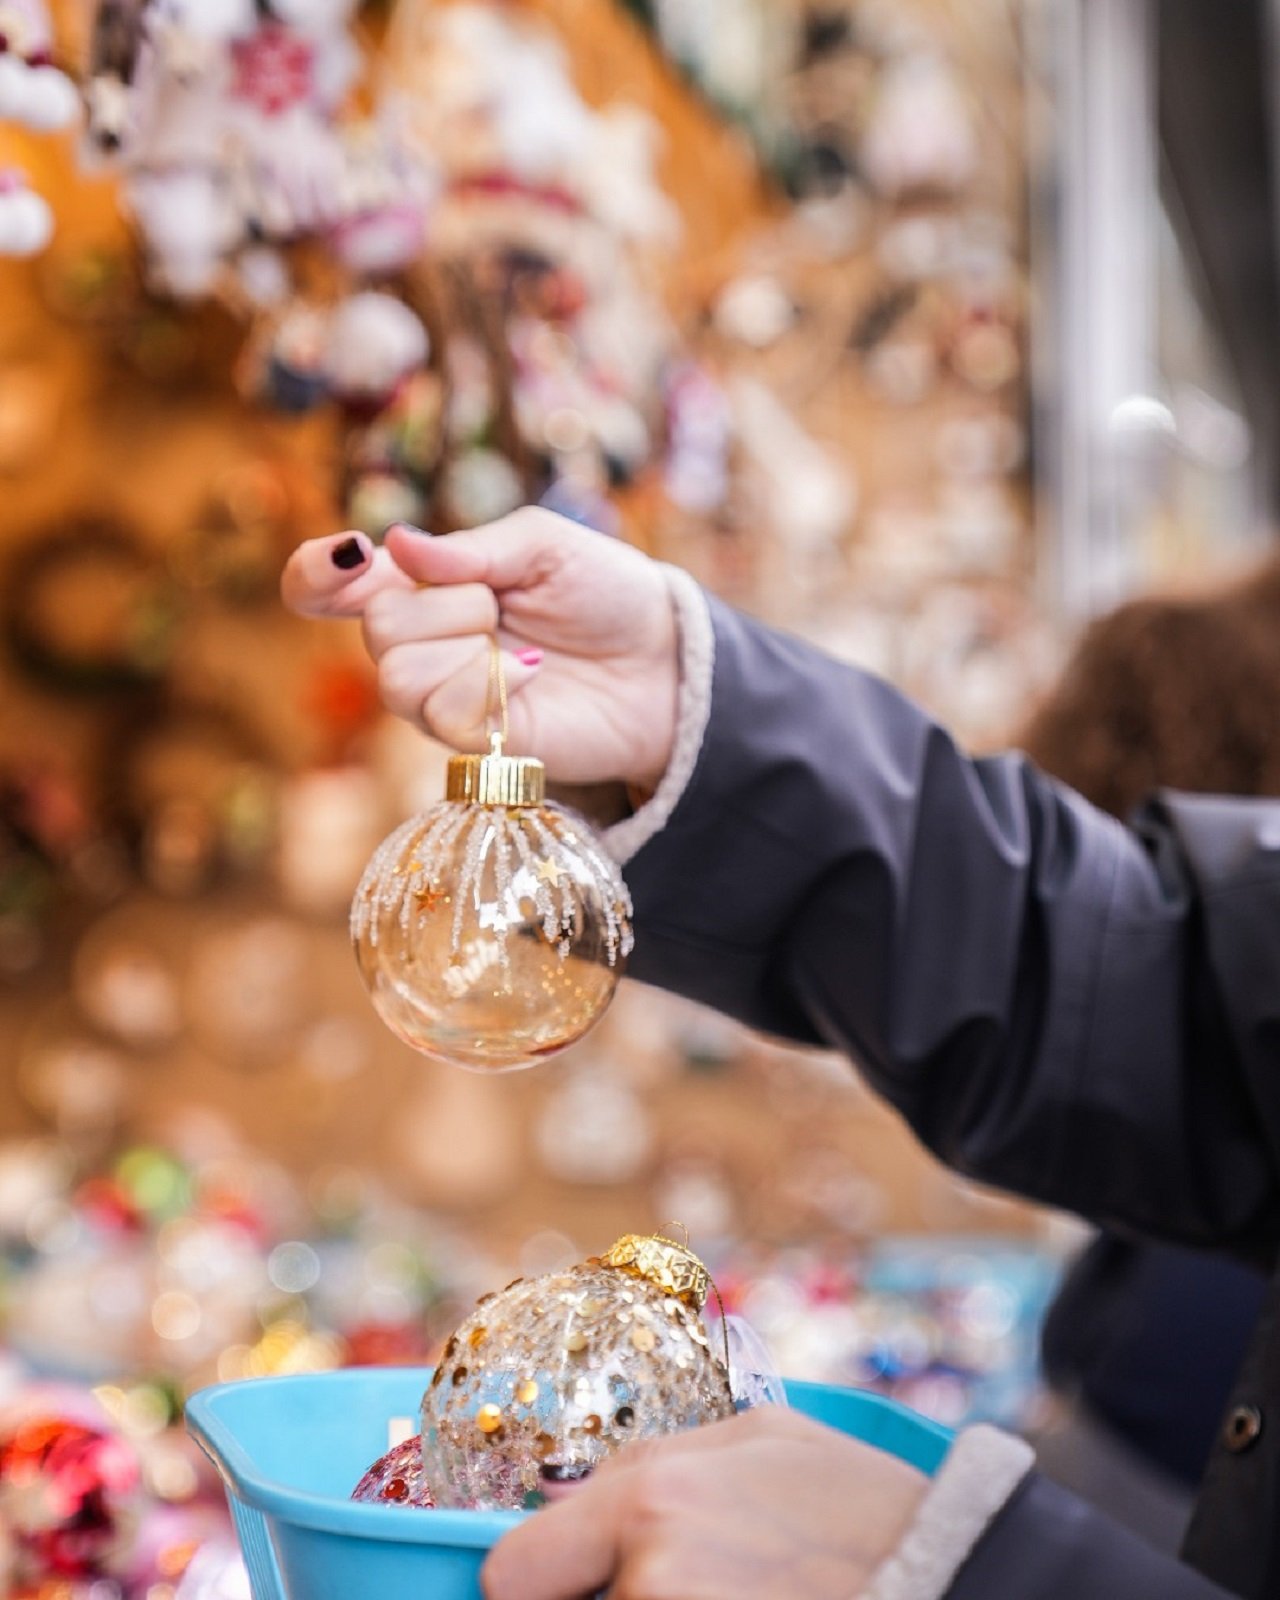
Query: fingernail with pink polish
pixel 529 658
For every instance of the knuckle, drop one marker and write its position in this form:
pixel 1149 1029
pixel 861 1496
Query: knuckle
pixel 526 518
pixel 398 684
pixel 378 624
pixel 659 1489
pixel 445 716
pixel 653 1573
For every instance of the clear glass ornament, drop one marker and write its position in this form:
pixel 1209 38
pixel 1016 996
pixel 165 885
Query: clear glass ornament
pixel 545 1380
pixel 492 929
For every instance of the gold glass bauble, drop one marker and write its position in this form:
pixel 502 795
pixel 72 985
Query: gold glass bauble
pixel 545 1380
pixel 492 929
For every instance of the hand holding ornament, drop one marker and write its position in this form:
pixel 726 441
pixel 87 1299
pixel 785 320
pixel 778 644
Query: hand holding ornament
pixel 765 1504
pixel 491 929
pixel 586 626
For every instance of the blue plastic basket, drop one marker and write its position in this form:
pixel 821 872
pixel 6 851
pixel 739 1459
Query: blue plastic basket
pixel 290 1450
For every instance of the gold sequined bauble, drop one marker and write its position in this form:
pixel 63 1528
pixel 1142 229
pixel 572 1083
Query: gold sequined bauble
pixel 546 1379
pixel 491 930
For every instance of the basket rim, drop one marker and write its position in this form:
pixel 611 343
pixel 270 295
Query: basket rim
pixel 213 1432
pixel 216 1435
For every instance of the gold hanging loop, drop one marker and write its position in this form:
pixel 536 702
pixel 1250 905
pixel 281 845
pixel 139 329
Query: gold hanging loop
pixel 496 779
pixel 674 1268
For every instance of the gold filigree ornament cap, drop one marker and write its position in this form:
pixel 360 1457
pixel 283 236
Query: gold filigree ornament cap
pixel 673 1267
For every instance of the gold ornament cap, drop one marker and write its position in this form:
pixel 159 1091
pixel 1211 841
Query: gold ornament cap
pixel 673 1267
pixel 496 779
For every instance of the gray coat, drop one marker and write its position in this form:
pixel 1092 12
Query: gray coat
pixel 1080 1012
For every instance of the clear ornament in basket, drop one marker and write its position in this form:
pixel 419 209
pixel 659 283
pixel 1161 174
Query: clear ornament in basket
pixel 547 1379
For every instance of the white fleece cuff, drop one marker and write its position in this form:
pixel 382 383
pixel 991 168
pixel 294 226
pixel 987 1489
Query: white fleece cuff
pixel 693 708
pixel 982 1469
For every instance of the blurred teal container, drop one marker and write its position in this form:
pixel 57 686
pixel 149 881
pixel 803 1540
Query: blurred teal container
pixel 290 1451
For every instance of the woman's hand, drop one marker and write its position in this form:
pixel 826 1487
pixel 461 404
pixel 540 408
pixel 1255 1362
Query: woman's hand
pixel 586 626
pixel 766 1505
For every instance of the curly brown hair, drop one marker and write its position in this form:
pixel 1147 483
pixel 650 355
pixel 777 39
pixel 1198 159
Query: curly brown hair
pixel 1170 693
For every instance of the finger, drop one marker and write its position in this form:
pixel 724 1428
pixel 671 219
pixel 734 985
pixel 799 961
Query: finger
pixel 445 685
pixel 672 1446
pixel 337 576
pixel 403 616
pixel 514 553
pixel 575 1545
pixel 566 1550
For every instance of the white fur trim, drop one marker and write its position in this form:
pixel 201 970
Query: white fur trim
pixel 697 661
pixel 982 1469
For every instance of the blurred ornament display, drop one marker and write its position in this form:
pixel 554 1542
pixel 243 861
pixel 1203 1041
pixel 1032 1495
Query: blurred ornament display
pixel 35 94
pixel 551 1376
pixel 949 1326
pixel 491 931
pixel 431 284
pixel 69 1500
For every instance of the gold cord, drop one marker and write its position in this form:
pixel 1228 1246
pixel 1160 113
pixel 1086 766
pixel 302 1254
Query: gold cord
pixel 495 707
pixel 724 1324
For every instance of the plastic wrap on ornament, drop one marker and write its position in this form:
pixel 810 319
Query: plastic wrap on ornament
pixel 753 1373
pixel 555 1374
pixel 398 1479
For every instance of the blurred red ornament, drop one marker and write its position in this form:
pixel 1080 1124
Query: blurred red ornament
pixel 225 1207
pixel 273 69
pixel 69 1500
pixel 342 696
pixel 397 1479
pixel 386 1344
pixel 106 1203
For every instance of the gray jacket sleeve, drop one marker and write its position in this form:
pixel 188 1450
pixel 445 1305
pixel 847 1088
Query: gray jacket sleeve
pixel 1081 1012
pixel 1047 1545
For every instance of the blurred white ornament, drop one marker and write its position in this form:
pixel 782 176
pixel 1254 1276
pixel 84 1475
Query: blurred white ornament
pixel 82 1088
pixel 756 310
pixel 26 222
pixel 26 28
pixel 123 986
pixel 263 277
pixel 698 1192
pixel 374 341
pixel 32 1175
pixel 920 134
pixel 482 486
pixel 592 1131
pixel 38 97
pixel 189 224
pixel 813 497
pixel 457 1141
pixel 314 16
pixel 53 101
pixel 330 820
pixel 209 19
pixel 246 984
